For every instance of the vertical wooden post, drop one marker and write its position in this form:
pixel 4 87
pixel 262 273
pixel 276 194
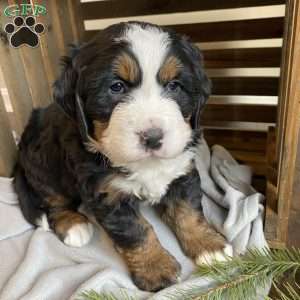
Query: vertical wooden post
pixel 34 69
pixel 293 235
pixel 8 147
pixel 289 128
pixel 14 77
pixel 76 20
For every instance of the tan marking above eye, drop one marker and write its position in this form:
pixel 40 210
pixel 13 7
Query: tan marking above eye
pixel 126 67
pixel 170 69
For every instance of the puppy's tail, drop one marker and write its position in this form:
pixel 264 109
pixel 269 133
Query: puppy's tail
pixel 29 201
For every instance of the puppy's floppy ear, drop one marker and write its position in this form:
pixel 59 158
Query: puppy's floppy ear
pixel 65 87
pixel 66 92
pixel 202 85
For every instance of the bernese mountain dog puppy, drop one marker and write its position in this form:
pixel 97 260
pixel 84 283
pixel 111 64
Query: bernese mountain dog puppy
pixel 121 131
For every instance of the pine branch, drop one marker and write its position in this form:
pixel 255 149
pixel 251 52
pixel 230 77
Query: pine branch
pixel 239 277
pixel 289 293
pixel 252 271
pixel 92 295
pixel 274 262
pixel 243 287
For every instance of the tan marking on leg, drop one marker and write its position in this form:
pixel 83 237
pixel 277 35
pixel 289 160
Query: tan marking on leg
pixel 195 235
pixel 169 69
pixel 65 219
pixel 151 266
pixel 69 225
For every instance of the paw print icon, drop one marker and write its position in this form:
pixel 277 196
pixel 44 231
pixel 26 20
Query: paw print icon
pixel 24 31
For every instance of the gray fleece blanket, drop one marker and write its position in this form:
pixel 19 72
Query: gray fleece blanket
pixel 35 265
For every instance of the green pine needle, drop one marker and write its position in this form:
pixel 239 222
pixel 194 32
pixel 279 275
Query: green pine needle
pixel 289 293
pixel 243 287
pixel 239 278
pixel 274 262
pixel 93 295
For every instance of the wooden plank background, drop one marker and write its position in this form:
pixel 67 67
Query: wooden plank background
pixel 7 143
pixel 226 31
pixel 242 113
pixel 289 132
pixel 242 58
pixel 115 9
pixel 65 24
pixel 245 86
pixel 30 72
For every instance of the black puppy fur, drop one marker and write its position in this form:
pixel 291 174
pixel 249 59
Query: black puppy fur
pixel 55 173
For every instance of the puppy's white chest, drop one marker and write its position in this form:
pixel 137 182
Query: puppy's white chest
pixel 150 179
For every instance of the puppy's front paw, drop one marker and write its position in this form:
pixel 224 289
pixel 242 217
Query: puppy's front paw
pixel 207 257
pixel 157 274
pixel 151 267
pixel 79 234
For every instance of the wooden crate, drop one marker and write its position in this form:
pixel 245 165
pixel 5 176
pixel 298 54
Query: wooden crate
pixel 251 52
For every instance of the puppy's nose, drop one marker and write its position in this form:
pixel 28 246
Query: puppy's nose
pixel 152 138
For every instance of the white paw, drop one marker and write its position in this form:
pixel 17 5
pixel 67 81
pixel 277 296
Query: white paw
pixel 79 235
pixel 207 258
pixel 43 222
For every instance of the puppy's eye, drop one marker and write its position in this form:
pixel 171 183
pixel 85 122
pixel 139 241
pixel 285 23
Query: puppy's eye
pixel 173 86
pixel 117 88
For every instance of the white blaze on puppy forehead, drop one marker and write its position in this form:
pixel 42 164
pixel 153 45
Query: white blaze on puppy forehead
pixel 150 45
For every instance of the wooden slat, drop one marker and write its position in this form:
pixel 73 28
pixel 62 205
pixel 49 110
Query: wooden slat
pixel 243 72
pixel 289 131
pixel 76 19
pixel 294 217
pixel 226 31
pixel 271 196
pixel 242 58
pixel 61 32
pixel 14 76
pixel 272 168
pixel 250 156
pixel 237 140
pixel 271 225
pixel 246 113
pixel 240 126
pixel 36 77
pixel 12 120
pixel 8 149
pixel 62 10
pixel 245 86
pixel 115 9
pixel 244 100
pixel 232 30
pixel 51 43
